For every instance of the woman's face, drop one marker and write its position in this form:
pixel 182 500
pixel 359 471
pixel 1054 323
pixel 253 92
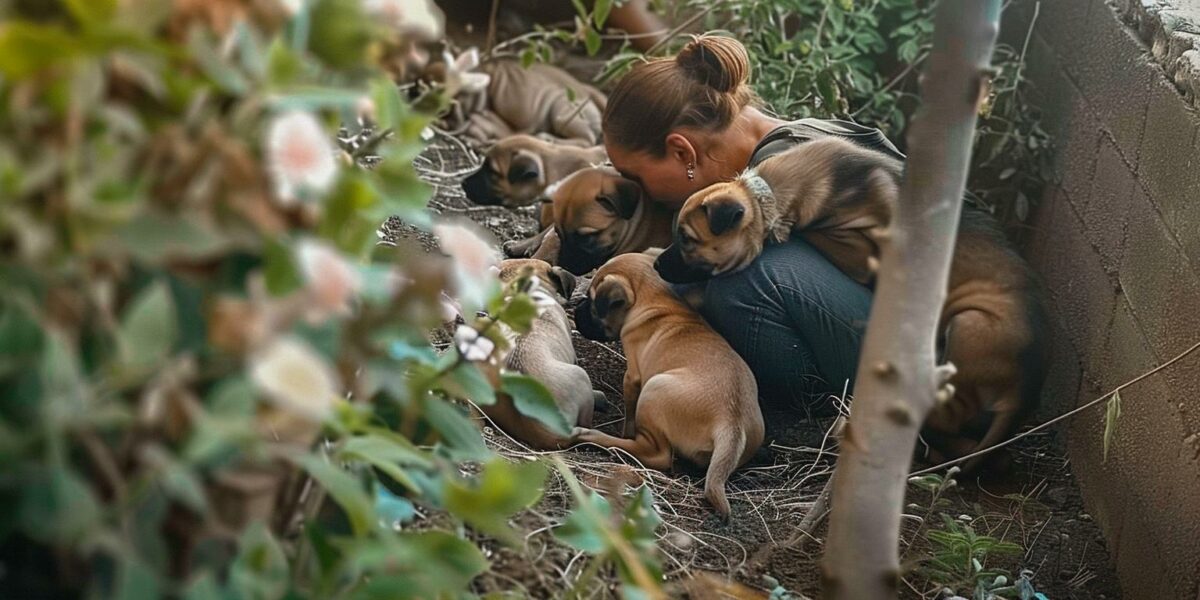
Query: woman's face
pixel 664 178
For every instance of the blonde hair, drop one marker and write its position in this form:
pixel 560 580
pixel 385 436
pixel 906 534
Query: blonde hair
pixel 703 87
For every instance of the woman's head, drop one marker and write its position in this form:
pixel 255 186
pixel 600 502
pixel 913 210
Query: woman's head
pixel 663 117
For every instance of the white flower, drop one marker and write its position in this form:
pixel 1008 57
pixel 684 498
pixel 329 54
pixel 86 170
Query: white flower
pixel 300 156
pixel 451 311
pixel 473 262
pixel 460 75
pixel 294 377
pixel 291 7
pixel 471 345
pixel 330 279
pixel 417 18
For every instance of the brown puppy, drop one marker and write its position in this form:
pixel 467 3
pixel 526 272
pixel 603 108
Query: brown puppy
pixel 546 354
pixel 534 100
pixel 840 196
pixel 598 214
pixel 687 393
pixel 517 169
pixel 994 328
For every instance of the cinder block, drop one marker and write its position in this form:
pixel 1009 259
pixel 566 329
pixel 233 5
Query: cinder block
pixel 1167 166
pixel 1183 385
pixel 1058 16
pixel 1182 211
pixel 1074 277
pixel 1152 271
pixel 1061 388
pixel 1114 77
pixel 1105 209
pixel 1074 161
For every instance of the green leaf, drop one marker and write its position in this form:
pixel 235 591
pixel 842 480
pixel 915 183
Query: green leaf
pixel 460 435
pixel 21 338
pixel 580 9
pixel 312 99
pixel 393 510
pixel 260 571
pixel 431 564
pixel 92 12
pixel 519 313
pixel 386 454
pixel 533 399
pixel 340 33
pixel 137 582
pixel 284 66
pixel 503 489
pixel 600 12
pixel 345 489
pixel 156 238
pixel 343 222
pixel 203 587
pixel 467 381
pixel 582 529
pixel 280 270
pixel 592 41
pixel 225 76
pixel 148 328
pixel 528 57
pixel 57 506
pixel 389 106
pixel 27 48
pixel 1112 413
pixel 641 519
pixel 182 483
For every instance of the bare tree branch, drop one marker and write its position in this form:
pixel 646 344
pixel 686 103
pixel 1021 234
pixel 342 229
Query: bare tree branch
pixel 897 378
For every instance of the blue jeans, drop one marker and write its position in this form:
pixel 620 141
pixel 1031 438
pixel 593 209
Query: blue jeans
pixel 797 321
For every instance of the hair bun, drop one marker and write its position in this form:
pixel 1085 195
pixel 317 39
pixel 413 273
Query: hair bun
pixel 720 63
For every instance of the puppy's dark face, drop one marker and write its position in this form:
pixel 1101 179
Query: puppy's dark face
pixel 594 211
pixel 715 233
pixel 555 279
pixel 601 314
pixel 512 174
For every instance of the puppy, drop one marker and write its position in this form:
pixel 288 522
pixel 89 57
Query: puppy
pixel 840 196
pixel 687 393
pixel 598 214
pixel 533 100
pixel 994 329
pixel 518 168
pixel 546 354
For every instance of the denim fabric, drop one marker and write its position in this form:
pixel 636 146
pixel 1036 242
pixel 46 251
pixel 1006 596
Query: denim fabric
pixel 797 321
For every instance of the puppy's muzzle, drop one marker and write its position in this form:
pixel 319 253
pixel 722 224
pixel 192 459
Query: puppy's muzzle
pixel 588 325
pixel 477 189
pixel 674 269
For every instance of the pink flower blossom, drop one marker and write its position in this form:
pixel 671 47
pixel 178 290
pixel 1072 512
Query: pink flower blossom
pixel 417 18
pixel 330 279
pixel 291 375
pixel 473 261
pixel 300 156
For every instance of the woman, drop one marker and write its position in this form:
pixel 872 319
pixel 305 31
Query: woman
pixel 677 125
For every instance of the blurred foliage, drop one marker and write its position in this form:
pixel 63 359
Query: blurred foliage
pixel 212 384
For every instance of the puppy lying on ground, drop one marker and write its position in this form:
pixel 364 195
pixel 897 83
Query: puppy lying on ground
pixel 597 214
pixel 533 100
pixel 546 354
pixel 687 393
pixel 840 196
pixel 517 169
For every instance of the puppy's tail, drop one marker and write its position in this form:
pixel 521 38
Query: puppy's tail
pixel 727 452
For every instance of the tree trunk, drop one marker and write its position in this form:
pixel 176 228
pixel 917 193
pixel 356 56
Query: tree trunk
pixel 897 379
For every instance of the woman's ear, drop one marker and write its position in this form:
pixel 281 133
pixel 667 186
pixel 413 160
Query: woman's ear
pixel 680 148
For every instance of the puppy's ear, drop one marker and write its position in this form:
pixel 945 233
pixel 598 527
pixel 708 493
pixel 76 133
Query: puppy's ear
pixel 564 280
pixel 523 168
pixel 624 199
pixel 610 296
pixel 723 215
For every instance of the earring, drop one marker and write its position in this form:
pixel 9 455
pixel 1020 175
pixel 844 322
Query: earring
pixel 691 171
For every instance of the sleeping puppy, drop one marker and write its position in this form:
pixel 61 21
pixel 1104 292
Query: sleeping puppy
pixel 546 354
pixel 687 394
pixel 517 170
pixel 597 214
pixel 532 100
pixel 840 196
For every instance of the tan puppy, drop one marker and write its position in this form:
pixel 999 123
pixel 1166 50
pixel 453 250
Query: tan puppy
pixel 687 393
pixel 546 354
pixel 994 329
pixel 598 214
pixel 534 100
pixel 517 169
pixel 837 194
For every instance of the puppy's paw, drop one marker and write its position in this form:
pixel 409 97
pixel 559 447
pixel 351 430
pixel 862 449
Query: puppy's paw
pixel 515 249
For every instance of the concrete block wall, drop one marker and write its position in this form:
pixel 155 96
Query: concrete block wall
pixel 1117 241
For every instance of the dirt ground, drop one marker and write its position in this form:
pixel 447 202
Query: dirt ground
pixel 1036 505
